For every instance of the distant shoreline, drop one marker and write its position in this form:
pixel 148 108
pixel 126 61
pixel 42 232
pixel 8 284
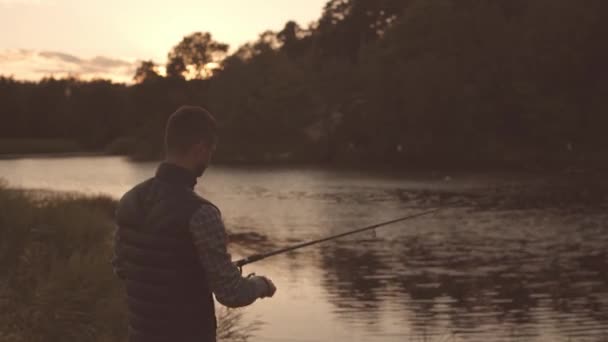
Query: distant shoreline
pixel 445 168
pixel 10 156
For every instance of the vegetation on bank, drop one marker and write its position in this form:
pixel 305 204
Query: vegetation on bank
pixel 56 281
pixel 453 82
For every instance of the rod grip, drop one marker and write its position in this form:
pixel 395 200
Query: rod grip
pixel 248 260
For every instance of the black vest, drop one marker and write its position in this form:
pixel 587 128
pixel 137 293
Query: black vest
pixel 167 291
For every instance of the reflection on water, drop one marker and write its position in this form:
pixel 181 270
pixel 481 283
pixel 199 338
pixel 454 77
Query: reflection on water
pixel 522 274
pixel 483 269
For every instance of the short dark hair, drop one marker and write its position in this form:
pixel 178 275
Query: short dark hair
pixel 189 125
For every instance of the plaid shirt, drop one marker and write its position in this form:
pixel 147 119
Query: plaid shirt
pixel 225 280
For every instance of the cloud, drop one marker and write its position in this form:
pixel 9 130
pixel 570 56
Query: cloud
pixel 62 56
pixel 109 62
pixel 14 54
pixel 34 65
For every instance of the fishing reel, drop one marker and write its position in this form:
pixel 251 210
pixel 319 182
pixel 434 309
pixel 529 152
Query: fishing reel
pixel 240 263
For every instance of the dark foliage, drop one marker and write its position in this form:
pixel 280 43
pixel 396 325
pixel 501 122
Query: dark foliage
pixel 455 82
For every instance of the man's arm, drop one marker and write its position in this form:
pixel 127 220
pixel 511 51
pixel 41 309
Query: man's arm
pixel 225 280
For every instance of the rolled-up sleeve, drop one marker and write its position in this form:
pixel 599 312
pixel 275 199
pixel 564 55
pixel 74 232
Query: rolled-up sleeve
pixel 225 280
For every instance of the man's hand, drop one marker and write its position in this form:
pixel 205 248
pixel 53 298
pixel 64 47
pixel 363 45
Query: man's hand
pixel 265 286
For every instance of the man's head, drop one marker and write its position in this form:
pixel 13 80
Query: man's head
pixel 190 138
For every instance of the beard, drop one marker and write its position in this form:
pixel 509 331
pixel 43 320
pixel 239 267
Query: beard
pixel 200 169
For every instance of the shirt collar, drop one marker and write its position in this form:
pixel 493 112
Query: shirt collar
pixel 176 175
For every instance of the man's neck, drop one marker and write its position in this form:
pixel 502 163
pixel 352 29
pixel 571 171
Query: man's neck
pixel 180 163
pixel 176 174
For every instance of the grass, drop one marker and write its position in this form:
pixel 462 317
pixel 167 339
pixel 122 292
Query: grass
pixel 56 281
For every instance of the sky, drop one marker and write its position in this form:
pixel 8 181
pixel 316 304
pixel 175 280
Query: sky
pixel 106 38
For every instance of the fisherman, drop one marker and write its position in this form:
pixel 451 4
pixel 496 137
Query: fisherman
pixel 170 244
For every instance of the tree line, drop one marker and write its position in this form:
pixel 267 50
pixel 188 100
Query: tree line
pixel 455 82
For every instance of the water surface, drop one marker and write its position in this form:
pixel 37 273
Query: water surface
pixel 464 274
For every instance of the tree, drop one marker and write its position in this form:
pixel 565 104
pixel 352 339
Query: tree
pixel 196 52
pixel 347 25
pixel 176 68
pixel 267 42
pixel 294 40
pixel 146 71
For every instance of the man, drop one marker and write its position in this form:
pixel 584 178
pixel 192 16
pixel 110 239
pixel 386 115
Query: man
pixel 170 244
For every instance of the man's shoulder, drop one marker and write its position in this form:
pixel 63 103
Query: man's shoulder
pixel 129 204
pixel 187 200
pixel 135 190
pixel 204 206
pixel 203 201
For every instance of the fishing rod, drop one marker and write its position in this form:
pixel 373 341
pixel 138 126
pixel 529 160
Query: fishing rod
pixel 258 257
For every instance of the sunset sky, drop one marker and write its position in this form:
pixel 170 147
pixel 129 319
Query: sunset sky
pixel 106 38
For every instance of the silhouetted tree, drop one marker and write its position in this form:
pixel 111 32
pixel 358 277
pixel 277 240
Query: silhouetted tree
pixel 146 71
pixel 294 40
pixel 388 80
pixel 176 68
pixel 347 25
pixel 197 51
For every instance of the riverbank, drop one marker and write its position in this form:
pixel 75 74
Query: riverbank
pixel 34 146
pixel 56 282
pixel 51 155
pixel 127 148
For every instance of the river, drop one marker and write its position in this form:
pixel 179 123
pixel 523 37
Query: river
pixel 467 273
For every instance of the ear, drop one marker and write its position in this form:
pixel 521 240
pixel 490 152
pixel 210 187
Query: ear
pixel 194 150
pixel 202 148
